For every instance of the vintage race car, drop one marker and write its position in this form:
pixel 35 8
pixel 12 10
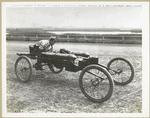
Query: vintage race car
pixel 96 80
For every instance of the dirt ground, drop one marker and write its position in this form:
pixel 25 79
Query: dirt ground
pixel 60 93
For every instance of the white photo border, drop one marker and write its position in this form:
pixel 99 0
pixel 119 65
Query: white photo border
pixel 145 60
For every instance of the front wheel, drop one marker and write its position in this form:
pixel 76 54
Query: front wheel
pixel 121 70
pixel 23 69
pixel 96 83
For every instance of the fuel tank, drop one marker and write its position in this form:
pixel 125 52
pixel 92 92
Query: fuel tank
pixel 59 56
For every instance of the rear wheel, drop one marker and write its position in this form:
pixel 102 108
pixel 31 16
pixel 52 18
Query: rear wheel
pixel 55 69
pixel 121 70
pixel 23 69
pixel 96 83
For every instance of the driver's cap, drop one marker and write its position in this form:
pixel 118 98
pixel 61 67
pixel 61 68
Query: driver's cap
pixel 52 38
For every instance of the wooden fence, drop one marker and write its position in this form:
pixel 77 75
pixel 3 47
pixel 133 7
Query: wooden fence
pixel 134 39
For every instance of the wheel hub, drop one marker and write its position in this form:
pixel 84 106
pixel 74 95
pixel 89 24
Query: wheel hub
pixel 95 82
pixel 25 68
pixel 120 71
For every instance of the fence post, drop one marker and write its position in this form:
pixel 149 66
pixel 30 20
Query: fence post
pixel 59 38
pixel 122 39
pixel 103 39
pixel 37 37
pixel 24 37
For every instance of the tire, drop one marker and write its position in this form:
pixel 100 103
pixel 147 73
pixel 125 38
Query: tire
pixel 90 81
pixel 124 71
pixel 55 69
pixel 23 69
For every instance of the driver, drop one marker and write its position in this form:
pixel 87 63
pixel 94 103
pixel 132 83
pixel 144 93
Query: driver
pixel 44 45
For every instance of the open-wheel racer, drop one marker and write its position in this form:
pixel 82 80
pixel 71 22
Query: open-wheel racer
pixel 96 81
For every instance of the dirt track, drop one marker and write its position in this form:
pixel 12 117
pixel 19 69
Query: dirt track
pixel 47 92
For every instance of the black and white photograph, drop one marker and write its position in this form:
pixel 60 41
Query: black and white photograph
pixel 75 58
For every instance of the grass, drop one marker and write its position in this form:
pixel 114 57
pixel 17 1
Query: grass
pixel 60 93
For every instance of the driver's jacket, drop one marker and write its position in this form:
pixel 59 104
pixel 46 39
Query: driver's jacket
pixel 44 45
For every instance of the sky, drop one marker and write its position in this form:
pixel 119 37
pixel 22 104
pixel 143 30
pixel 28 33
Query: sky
pixel 74 17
